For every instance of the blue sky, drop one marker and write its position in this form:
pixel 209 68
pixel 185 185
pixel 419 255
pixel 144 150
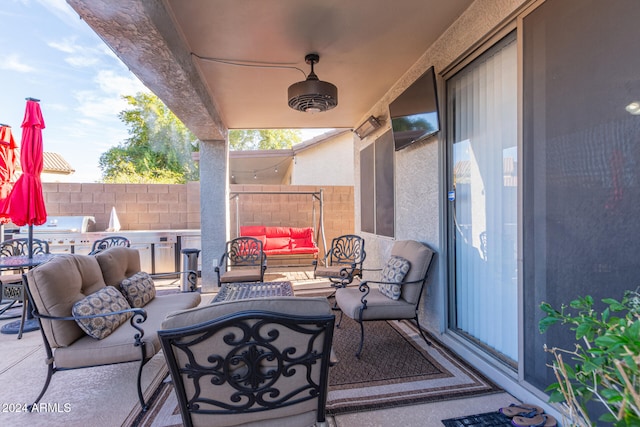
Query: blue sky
pixel 49 53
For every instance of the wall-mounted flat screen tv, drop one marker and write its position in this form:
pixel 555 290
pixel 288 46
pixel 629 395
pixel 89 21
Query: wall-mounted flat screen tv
pixel 414 114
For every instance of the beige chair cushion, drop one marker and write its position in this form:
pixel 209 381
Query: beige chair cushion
pixel 302 306
pixel 419 257
pixel 331 271
pixel 248 274
pixel 117 263
pixel 58 284
pixel 119 346
pixel 10 278
pixel 302 414
pixel 379 306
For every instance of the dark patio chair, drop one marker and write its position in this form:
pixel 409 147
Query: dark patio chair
pixel 108 242
pixel 12 291
pixel 251 362
pixel 244 260
pixel 343 261
pixel 396 295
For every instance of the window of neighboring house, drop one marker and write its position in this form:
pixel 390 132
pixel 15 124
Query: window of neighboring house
pixel 377 198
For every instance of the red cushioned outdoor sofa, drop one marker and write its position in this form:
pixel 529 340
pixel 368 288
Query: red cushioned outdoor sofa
pixel 283 240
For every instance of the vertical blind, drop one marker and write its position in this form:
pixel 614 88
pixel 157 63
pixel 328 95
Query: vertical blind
pixel 482 112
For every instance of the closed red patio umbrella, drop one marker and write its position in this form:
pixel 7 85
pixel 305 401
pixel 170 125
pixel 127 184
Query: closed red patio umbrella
pixel 7 168
pixel 26 202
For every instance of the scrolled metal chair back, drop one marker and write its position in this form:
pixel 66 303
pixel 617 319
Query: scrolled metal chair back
pixel 249 362
pixel 108 242
pixel 20 246
pixel 245 251
pixel 347 249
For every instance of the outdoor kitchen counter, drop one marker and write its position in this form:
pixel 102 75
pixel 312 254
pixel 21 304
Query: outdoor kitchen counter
pixel 159 249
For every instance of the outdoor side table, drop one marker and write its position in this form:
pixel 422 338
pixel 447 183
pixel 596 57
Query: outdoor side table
pixel 237 291
pixel 18 290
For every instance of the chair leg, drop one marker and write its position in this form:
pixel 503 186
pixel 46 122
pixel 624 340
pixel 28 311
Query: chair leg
pixel 7 306
pixel 424 337
pixel 144 405
pixel 50 371
pixel 22 318
pixel 340 320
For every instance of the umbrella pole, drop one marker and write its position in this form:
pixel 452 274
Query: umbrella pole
pixel 30 241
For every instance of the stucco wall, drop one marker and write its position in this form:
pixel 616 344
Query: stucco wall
pixel 419 169
pixel 329 163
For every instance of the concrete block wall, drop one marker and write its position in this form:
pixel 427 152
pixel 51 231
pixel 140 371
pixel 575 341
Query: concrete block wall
pixel 139 206
pixel 177 206
pixel 294 210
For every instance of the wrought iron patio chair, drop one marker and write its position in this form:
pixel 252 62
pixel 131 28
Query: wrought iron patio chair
pixel 12 291
pixel 343 262
pixel 108 242
pixel 396 295
pixel 244 260
pixel 251 362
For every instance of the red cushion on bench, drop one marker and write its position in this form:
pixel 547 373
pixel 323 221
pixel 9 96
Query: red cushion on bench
pixel 282 240
pixel 277 243
pixel 253 230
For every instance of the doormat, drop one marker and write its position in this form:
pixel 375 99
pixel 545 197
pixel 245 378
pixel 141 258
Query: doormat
pixel 488 419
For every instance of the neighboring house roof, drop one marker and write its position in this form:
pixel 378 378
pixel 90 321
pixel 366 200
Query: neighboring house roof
pixel 53 163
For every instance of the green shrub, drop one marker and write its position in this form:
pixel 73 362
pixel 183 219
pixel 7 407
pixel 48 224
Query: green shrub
pixel 603 366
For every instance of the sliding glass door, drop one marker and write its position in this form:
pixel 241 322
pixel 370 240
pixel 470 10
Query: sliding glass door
pixel 482 120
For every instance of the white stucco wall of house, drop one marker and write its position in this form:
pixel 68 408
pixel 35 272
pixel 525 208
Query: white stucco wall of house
pixel 420 191
pixel 328 163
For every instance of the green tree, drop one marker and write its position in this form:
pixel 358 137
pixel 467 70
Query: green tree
pixel 158 149
pixel 263 139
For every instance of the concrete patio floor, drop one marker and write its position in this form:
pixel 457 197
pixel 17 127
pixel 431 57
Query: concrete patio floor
pixel 20 381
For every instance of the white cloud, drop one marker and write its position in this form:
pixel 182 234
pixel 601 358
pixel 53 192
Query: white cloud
pixel 94 104
pixel 81 61
pixel 66 45
pixel 14 63
pixel 79 56
pixel 111 82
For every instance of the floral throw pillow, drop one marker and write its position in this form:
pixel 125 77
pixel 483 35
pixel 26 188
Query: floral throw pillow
pixel 394 271
pixel 106 300
pixel 139 289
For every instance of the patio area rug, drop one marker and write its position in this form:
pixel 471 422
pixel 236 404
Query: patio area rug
pixel 397 368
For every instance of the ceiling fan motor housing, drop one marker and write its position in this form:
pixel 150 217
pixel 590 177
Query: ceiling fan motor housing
pixel 313 95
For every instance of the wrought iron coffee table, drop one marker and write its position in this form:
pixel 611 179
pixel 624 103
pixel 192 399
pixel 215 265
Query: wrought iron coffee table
pixel 237 291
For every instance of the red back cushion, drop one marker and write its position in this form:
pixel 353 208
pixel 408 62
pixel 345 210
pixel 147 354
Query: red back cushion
pixel 277 243
pixel 278 232
pixel 301 237
pixel 253 230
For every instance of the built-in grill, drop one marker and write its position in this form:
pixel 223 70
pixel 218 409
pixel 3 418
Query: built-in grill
pixel 159 250
pixel 63 225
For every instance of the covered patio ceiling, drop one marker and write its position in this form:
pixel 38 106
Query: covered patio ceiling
pixel 365 46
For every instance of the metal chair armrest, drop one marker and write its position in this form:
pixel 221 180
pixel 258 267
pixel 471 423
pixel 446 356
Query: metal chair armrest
pixel 139 316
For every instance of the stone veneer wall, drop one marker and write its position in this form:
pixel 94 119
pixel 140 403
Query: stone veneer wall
pixel 176 206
